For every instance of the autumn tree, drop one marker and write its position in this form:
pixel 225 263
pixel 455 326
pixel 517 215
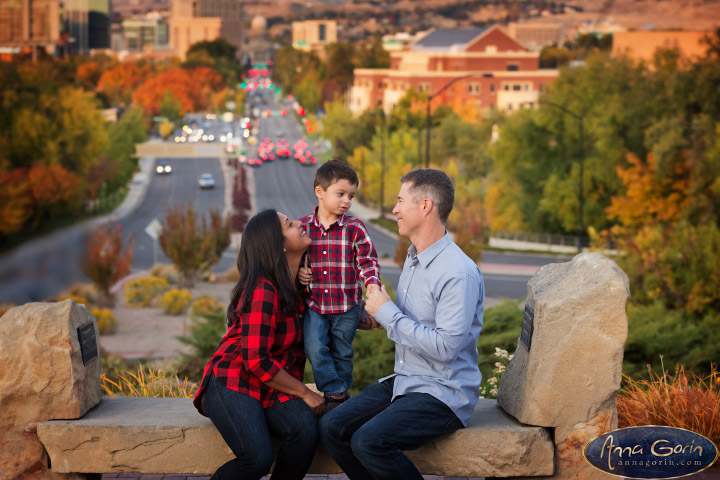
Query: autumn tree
pixel 106 262
pixel 53 190
pixel 119 82
pixel 15 203
pixel 191 243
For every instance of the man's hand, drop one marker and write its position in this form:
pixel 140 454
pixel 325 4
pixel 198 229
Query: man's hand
pixel 376 299
pixel 305 276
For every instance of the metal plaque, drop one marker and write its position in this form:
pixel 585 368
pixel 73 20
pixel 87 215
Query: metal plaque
pixel 527 327
pixel 88 342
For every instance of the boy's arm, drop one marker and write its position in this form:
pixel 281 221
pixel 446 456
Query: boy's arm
pixel 366 261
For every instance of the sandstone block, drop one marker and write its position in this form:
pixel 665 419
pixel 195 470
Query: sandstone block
pixel 572 371
pixel 168 436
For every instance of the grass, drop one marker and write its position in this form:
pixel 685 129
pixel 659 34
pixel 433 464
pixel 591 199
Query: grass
pixel 147 382
pixel 683 400
pixel 386 223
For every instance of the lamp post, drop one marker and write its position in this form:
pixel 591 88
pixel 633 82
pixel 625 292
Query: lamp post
pixel 581 196
pixel 382 165
pixel 427 117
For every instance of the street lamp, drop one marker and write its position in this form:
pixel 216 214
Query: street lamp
pixel 581 197
pixel 382 164
pixel 427 118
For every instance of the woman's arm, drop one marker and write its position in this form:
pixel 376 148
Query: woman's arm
pixel 286 383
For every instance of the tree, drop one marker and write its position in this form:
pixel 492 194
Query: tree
pixel 119 82
pixel 216 49
pixel 14 202
pixel 192 247
pixel 53 190
pixel 106 262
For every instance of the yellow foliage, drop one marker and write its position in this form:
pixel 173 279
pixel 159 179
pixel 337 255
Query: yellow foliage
pixel 142 291
pixel 503 217
pixel 206 305
pixel 106 321
pixel 147 382
pixel 75 298
pixel 166 128
pixel 176 302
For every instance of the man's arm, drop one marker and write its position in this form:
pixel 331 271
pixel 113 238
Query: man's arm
pixel 454 314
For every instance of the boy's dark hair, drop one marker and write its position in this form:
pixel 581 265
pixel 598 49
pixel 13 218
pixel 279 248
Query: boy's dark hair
pixel 435 184
pixel 332 171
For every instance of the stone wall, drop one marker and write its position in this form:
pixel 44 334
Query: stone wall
pixel 42 377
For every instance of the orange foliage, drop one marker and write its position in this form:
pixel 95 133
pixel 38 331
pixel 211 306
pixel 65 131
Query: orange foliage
pixel 208 78
pixel 105 262
pixel 88 74
pixel 673 400
pixel 14 201
pixel 118 83
pixel 52 185
pixel 183 87
pixel 647 198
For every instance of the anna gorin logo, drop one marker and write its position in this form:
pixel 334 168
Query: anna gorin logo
pixel 651 452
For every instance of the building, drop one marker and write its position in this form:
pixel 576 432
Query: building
pixel 486 68
pixel 642 44
pixel 537 35
pixel 28 25
pixel 400 41
pixel 314 35
pixel 88 25
pixel 258 47
pixel 193 21
pixel 149 32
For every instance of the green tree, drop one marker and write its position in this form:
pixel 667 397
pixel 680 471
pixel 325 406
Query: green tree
pixel 130 130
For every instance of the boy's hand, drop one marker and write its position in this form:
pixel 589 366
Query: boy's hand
pixel 376 299
pixel 373 287
pixel 305 276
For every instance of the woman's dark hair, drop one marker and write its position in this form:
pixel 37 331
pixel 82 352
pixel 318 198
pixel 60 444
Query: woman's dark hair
pixel 261 255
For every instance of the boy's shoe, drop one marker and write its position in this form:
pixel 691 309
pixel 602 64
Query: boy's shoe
pixel 332 401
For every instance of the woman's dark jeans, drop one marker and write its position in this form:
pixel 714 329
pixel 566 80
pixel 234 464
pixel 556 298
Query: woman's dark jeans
pixel 246 426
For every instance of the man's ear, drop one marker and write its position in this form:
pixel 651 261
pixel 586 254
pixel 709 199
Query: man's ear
pixel 427 205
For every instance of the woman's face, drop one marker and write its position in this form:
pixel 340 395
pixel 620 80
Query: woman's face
pixel 296 240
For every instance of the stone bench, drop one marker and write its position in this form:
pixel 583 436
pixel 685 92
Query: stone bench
pixel 557 394
pixel 158 435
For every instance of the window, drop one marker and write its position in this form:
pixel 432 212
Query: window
pixel 424 87
pixel 506 87
pixel 513 67
pixel 527 87
pixel 473 88
pixel 516 87
pixel 322 34
pixel 492 87
pixel 380 84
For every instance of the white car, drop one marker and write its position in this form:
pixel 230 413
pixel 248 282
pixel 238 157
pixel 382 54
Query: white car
pixel 206 181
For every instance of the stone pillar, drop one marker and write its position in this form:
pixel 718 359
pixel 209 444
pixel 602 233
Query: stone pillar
pixel 567 368
pixel 42 377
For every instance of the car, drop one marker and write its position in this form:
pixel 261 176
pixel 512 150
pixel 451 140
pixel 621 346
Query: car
pixel 206 181
pixel 255 162
pixel 163 168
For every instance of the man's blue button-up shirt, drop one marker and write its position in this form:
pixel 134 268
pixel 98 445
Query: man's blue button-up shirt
pixel 435 326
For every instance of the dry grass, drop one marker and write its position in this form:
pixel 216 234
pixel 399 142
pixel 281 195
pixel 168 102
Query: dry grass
pixel 683 400
pixel 147 382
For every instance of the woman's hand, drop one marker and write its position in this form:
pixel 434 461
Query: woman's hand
pixel 305 276
pixel 314 401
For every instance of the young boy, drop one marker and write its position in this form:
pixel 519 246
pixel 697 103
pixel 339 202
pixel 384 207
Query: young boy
pixel 341 257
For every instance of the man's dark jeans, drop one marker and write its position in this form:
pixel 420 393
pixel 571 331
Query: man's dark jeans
pixel 245 426
pixel 367 434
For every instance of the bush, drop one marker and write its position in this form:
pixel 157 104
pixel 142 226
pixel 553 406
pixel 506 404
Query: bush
pixel 106 321
pixel 86 291
pixel 682 400
pixel 147 382
pixel 141 292
pixel 204 335
pixel 176 302
pixel 77 299
pixel 166 271
pixel 206 305
pixel 232 274
pixel 374 359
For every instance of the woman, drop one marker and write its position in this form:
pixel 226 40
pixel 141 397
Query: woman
pixel 252 385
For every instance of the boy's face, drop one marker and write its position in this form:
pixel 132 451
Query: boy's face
pixel 337 199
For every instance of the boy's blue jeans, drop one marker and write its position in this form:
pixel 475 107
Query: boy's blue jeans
pixel 367 434
pixel 328 346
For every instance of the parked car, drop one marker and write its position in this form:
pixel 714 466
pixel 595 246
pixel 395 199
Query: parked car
pixel 206 181
pixel 163 168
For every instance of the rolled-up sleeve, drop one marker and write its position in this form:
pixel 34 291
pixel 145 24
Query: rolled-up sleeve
pixel 258 332
pixel 366 257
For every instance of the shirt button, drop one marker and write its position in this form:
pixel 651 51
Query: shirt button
pixel 324 252
pixel 326 291
pixel 324 233
pixel 402 361
pixel 405 291
pixel 412 268
pixel 325 273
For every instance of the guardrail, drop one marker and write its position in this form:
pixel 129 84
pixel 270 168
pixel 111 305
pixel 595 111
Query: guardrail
pixel 537 241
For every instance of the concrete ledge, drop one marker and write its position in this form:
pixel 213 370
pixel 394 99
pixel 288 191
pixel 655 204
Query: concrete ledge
pixel 159 435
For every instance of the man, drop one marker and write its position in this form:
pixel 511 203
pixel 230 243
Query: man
pixel 435 326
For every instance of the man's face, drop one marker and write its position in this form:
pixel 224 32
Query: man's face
pixel 408 212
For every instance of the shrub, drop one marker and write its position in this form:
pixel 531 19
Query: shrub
pixel 176 302
pixel 501 329
pixel 75 298
pixel 147 382
pixel 204 336
pixel 166 271
pixel 106 321
pixel 142 291
pixel 106 262
pixel 232 274
pixel 683 400
pixel 206 305
pixel 87 291
pixel 491 384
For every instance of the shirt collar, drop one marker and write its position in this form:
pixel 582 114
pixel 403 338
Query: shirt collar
pixel 341 220
pixel 429 254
